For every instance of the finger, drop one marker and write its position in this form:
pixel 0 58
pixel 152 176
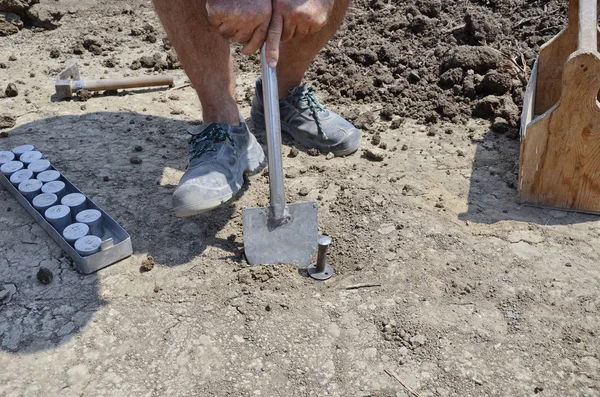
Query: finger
pixel 257 39
pixel 273 39
pixel 242 36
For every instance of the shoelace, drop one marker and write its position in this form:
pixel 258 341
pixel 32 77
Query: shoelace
pixel 205 141
pixel 315 106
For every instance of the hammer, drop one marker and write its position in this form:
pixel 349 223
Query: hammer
pixel 69 81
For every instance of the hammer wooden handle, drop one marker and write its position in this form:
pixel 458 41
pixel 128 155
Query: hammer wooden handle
pixel 128 82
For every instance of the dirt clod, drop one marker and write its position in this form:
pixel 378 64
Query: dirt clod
pixel 7 121
pixel 54 53
pixel 44 275
pixel 83 95
pixel 135 160
pixel 375 154
pixel 147 264
pixel 313 152
pixel 293 152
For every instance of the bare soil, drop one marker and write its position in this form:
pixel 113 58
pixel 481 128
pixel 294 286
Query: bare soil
pixel 443 280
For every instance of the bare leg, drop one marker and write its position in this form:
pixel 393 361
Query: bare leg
pixel 296 55
pixel 205 56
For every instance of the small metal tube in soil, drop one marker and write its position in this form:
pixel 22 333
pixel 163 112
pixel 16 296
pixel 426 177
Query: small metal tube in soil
pixel 30 188
pixel 29 157
pixel 75 201
pixel 59 216
pixel 19 150
pixel 92 218
pixel 88 245
pixel 75 231
pixel 5 157
pixel 11 167
pixel 48 176
pixel 43 201
pixel 20 176
pixel 39 166
pixel 56 187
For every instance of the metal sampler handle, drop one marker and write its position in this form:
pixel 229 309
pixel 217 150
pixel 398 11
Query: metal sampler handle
pixel 273 124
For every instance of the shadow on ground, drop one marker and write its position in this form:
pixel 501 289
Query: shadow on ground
pixel 493 195
pixel 127 163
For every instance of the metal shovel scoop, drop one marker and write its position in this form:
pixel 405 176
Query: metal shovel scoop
pixel 281 233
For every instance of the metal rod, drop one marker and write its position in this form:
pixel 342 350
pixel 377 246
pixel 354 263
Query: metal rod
pixel 588 25
pixel 271 101
pixel 324 242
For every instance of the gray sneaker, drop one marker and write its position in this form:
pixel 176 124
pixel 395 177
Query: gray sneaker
pixel 220 154
pixel 308 122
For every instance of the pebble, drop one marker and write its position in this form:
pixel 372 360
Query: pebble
pixel 329 156
pixel 11 90
pixel 303 192
pixel 135 160
pixel 375 154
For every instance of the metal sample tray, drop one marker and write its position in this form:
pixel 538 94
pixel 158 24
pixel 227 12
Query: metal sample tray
pixel 116 243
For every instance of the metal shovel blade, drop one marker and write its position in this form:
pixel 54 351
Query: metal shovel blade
pixel 291 241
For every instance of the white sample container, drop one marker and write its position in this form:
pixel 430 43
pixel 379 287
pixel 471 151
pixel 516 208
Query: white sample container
pixel 48 176
pixel 88 245
pixel 11 167
pixel 92 218
pixel 59 216
pixel 75 231
pixel 20 176
pixel 55 187
pixel 29 157
pixel 30 188
pixel 5 157
pixel 19 150
pixel 43 201
pixel 75 201
pixel 39 166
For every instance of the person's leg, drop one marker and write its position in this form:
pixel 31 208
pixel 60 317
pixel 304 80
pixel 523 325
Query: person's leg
pixel 296 55
pixel 204 55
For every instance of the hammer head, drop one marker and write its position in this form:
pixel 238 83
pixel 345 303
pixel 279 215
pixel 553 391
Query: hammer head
pixel 63 81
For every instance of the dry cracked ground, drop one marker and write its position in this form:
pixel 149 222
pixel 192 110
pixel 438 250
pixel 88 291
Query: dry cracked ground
pixel 444 283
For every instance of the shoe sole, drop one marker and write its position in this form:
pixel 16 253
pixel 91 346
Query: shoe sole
pixel 255 160
pixel 344 148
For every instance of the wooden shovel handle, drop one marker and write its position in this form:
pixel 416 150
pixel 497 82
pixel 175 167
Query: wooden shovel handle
pixel 128 82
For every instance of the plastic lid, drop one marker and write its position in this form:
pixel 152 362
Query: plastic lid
pixel 39 166
pixel 88 244
pixel 44 200
pixel 5 157
pixel 21 176
pixel 30 186
pixel 53 187
pixel 48 176
pixel 88 216
pixel 73 199
pixel 57 212
pixel 75 231
pixel 30 157
pixel 11 166
pixel 23 149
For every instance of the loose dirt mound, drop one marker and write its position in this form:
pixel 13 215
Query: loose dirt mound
pixel 432 60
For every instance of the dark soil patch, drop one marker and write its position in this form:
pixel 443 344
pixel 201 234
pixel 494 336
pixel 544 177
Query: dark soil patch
pixel 435 60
